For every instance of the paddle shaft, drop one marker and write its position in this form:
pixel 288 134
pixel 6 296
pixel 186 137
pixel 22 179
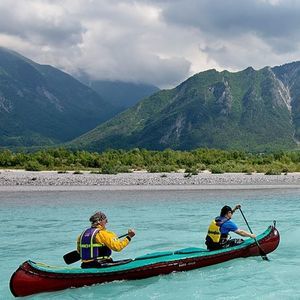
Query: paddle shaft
pixel 74 256
pixel 261 251
pixel 123 235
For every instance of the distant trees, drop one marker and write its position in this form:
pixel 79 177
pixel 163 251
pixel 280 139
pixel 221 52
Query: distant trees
pixel 117 161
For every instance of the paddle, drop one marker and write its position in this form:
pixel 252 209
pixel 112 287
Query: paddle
pixel 71 257
pixel 74 256
pixel 261 251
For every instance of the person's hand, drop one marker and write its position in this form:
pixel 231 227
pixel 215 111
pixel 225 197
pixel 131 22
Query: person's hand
pixel 131 233
pixel 238 206
pixel 253 235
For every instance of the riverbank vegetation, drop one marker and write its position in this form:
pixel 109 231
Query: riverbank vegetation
pixel 120 161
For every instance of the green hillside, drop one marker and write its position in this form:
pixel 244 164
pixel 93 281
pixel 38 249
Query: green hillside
pixel 248 110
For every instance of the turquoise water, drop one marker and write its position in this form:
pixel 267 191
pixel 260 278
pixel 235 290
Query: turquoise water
pixel 43 226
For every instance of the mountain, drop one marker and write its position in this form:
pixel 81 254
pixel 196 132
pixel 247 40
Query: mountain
pixel 120 94
pixel 247 110
pixel 41 105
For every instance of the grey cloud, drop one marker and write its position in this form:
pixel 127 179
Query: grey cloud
pixel 233 18
pixel 107 39
pixel 57 30
pixel 122 60
pixel 154 41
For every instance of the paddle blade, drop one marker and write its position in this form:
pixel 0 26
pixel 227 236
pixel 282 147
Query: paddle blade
pixel 264 255
pixel 261 251
pixel 71 257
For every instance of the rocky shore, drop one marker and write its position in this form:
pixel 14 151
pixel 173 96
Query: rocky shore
pixel 16 179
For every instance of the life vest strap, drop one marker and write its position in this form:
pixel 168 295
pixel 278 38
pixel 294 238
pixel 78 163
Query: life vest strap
pixel 89 245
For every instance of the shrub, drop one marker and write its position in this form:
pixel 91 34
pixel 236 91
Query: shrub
pixel 33 165
pixel 109 169
pixel 273 172
pixel 123 169
pixel 285 170
pixel 217 170
pixel 200 167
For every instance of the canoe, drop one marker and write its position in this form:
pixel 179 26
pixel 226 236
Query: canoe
pixel 31 277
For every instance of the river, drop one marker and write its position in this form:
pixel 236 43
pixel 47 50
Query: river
pixel 43 226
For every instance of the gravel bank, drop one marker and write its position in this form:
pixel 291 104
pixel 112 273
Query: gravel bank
pixel 15 179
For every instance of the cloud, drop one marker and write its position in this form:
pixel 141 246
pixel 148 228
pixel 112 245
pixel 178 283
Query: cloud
pixel 126 43
pixel 116 40
pixel 153 41
pixel 275 22
pixel 43 23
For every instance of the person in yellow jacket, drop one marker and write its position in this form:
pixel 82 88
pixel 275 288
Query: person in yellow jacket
pixel 96 243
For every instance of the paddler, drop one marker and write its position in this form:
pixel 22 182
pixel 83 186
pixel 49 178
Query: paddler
pixel 96 243
pixel 218 230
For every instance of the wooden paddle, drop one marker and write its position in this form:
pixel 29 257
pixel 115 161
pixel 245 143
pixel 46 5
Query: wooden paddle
pixel 74 256
pixel 261 251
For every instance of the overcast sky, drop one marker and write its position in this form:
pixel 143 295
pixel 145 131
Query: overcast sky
pixel 153 41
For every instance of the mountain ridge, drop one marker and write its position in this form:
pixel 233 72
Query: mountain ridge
pixel 253 110
pixel 41 105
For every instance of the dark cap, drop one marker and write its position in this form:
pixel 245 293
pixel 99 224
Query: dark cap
pixel 97 217
pixel 225 209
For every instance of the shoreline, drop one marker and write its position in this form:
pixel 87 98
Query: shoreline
pixel 19 180
pixel 143 188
